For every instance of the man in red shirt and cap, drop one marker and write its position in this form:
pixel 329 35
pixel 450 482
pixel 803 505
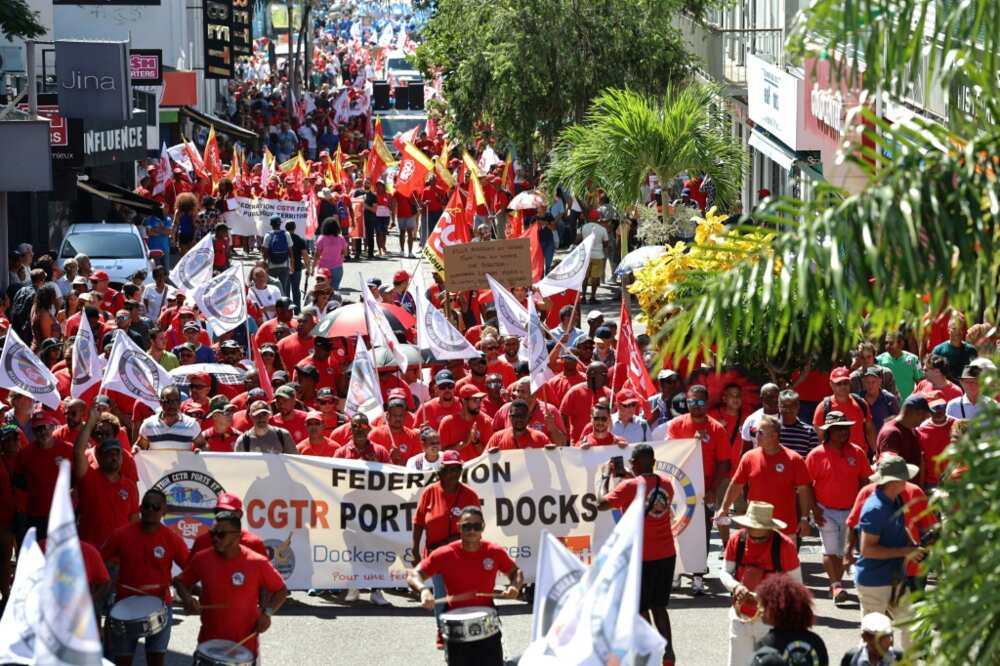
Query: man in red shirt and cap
pixel 580 399
pixel 468 431
pixel 852 407
pixel 518 435
pixel 399 294
pixel 113 301
pixel 316 443
pixel 402 442
pixel 434 410
pixel 36 467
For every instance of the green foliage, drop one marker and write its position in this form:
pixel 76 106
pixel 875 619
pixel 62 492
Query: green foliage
pixel 529 67
pixel 627 135
pixel 18 20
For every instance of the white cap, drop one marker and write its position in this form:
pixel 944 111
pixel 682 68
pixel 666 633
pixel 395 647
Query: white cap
pixel 876 624
pixel 594 314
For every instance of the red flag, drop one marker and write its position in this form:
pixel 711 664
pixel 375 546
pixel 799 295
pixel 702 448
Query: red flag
pixel 451 229
pixel 516 224
pixel 400 140
pixel 413 169
pixel 264 379
pixel 507 179
pixel 378 127
pixel 312 214
pixel 379 158
pixel 630 370
pixel 212 159
pixel 196 161
pixel 431 128
pixel 537 258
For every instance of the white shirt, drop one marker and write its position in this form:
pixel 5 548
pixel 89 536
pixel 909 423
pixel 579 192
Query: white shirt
pixel 176 437
pixel 153 300
pixel 265 298
pixel 418 462
pixel 63 285
pixel 962 408
pixel 748 430
pixel 600 238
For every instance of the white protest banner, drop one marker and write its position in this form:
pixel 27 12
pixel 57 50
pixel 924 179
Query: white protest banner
pixel 133 372
pixel 335 523
pixel 538 355
pixel 363 394
pixel 434 332
pixel 223 299
pixel 88 365
pixel 195 267
pixel 512 317
pixel 22 370
pixel 20 617
pixel 258 212
pixel 570 272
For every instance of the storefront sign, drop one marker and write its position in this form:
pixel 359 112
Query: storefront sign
pixel 65 134
pixel 219 58
pixel 777 103
pixel 828 108
pixel 243 27
pixel 146 66
pixel 94 82
pixel 112 143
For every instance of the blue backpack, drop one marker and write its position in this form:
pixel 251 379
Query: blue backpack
pixel 277 247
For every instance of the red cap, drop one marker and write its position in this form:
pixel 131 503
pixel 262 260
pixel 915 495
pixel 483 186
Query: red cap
pixel 396 393
pixel 99 276
pixel 229 502
pixel 840 374
pixel 200 378
pixel 313 415
pixel 323 272
pixel 194 409
pixel 626 397
pixel 400 276
pixel 593 215
pixel 450 458
pixel 43 417
pixel 470 391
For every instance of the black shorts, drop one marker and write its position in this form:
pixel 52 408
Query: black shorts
pixel 487 652
pixel 185 239
pixel 657 583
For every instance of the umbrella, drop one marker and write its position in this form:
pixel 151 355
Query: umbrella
pixel 349 320
pixel 223 373
pixel 385 359
pixel 636 259
pixel 527 200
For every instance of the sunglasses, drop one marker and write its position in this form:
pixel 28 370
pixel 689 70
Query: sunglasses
pixel 221 534
pixel 599 418
pixel 696 403
pixel 324 402
pixel 471 527
pixel 170 401
pixel 147 506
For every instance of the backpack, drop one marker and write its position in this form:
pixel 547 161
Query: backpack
pixel 741 546
pixel 277 247
pixel 20 313
pixel 862 405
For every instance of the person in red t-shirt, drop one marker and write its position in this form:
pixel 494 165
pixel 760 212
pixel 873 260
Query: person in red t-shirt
pixel 838 468
pixel 496 397
pixel 402 443
pixel 468 431
pixel 600 429
pixel 434 410
pixel 295 347
pixel 36 468
pixel 935 435
pixel 753 553
pixel 518 435
pixel 233 504
pixel 220 437
pixel 240 589
pixel 556 388
pixel 316 444
pixel 286 415
pixel 145 551
pixel 467 570
pixel 542 416
pixel 774 474
pixel 476 376
pixel 658 551
pixel 576 405
pixel 852 407
pixel 715 453
pixel 360 447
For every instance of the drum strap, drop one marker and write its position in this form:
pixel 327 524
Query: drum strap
pixel 653 496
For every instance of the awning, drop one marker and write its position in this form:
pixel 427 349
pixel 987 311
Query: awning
pixel 221 126
pixel 118 195
pixel 774 150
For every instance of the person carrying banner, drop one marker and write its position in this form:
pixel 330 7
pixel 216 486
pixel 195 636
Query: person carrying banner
pixel 659 555
pixel 169 429
pixel 240 589
pixel 468 431
pixel 518 435
pixel 751 555
pixel 145 551
pixel 469 569
pixel 360 447
pixel 579 400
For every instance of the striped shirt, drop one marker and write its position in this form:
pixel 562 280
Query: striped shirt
pixel 163 437
pixel 799 437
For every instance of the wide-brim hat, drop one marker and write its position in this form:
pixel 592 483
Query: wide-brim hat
pixel 836 419
pixel 893 468
pixel 760 516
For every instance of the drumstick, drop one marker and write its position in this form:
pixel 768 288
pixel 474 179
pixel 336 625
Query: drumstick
pixel 248 637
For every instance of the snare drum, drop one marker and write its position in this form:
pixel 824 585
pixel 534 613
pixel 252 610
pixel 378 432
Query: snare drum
pixel 466 625
pixel 137 617
pixel 219 652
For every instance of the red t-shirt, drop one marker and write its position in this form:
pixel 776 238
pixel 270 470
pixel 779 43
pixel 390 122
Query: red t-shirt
pixel 402 445
pixel 222 442
pixel 536 418
pixel 837 474
pixel 714 442
pixel 658 534
pixel 103 505
pixel 504 369
pixel 438 513
pixel 145 559
pixel 852 412
pixel 293 349
pixel 324 449
pixel 774 479
pixel 36 470
pixel 294 423
pixel 934 439
pixel 128 470
pixel 433 412
pixel 759 554
pixel 351 452
pixel 265 332
pixel 404 205
pixel 732 424
pixel 948 390
pixel 8 504
pixel 204 542
pixel 454 429
pixel 234 586
pixel 505 440
pixel 478 382
pixel 576 406
pixel 329 371
pixel 93 564
pixel 607 439
pixel 465 571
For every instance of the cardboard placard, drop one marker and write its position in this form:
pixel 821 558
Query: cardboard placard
pixel 508 261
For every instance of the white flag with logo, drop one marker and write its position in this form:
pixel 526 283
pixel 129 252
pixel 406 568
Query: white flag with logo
pixel 223 300
pixel 571 271
pixel 195 267
pixel 511 315
pixel 88 365
pixel 556 575
pixel 380 332
pixel 363 393
pixel 21 369
pixel 164 172
pixel 435 333
pixel 598 622
pixel 20 617
pixel 538 355
pixel 133 372
pixel 67 628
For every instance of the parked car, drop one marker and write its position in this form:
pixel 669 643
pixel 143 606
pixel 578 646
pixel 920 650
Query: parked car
pixel 116 249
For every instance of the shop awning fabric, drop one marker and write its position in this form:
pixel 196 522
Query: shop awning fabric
pixel 221 126
pixel 774 150
pixel 118 195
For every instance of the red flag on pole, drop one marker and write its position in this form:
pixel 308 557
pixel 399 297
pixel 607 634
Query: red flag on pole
pixel 212 159
pixel 413 169
pixel 264 379
pixel 630 370
pixel 537 258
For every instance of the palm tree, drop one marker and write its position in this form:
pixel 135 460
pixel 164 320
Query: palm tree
pixel 627 136
pixel 923 233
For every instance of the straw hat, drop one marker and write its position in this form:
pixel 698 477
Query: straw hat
pixel 835 419
pixel 760 516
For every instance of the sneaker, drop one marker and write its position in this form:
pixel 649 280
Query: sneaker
pixel 352 595
pixel 697 586
pixel 379 599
